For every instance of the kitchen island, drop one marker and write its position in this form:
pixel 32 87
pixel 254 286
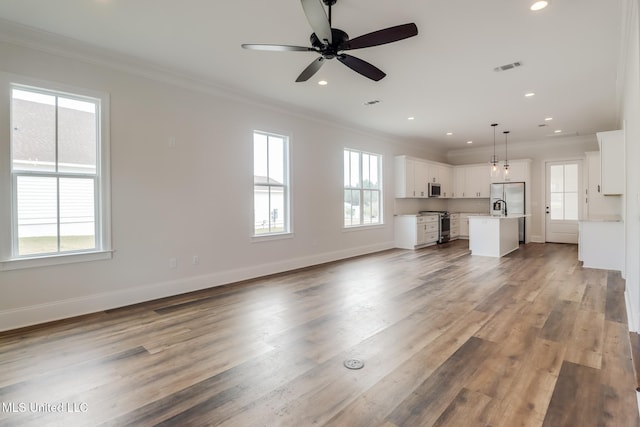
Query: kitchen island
pixel 494 235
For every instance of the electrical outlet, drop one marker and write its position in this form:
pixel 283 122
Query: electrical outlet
pixel 195 260
pixel 173 263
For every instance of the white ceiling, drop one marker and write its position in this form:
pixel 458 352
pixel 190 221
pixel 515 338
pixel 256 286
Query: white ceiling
pixel 443 77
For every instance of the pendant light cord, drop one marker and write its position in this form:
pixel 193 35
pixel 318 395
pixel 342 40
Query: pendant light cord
pixel 506 145
pixel 494 159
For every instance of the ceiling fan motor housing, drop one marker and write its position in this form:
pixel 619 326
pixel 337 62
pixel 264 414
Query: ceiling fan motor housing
pixel 330 51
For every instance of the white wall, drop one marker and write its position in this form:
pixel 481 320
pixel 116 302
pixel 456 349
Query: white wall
pixel 558 148
pixel 191 199
pixel 630 117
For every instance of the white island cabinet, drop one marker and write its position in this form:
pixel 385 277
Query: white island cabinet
pixel 493 235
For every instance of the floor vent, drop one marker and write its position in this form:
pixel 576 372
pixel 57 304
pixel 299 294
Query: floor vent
pixel 354 364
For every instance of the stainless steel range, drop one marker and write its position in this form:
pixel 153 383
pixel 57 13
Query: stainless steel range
pixel 445 225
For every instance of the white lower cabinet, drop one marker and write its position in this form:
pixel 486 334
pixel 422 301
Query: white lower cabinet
pixel 414 231
pixel 454 221
pixel 600 244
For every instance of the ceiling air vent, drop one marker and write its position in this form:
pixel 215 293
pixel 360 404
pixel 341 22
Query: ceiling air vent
pixel 508 66
pixel 372 102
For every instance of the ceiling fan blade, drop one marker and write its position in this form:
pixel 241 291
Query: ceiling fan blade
pixel 310 70
pixel 362 67
pixel 317 17
pixel 278 47
pixel 387 35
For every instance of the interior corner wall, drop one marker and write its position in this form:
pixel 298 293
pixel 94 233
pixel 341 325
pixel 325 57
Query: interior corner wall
pixel 631 123
pixel 193 197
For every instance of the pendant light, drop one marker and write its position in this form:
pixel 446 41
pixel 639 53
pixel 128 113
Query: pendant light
pixel 494 159
pixel 506 157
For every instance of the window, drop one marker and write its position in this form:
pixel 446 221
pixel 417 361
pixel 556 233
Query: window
pixel 270 184
pixel 57 162
pixel 362 188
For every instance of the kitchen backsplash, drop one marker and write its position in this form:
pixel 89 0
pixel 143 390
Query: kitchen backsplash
pixel 413 206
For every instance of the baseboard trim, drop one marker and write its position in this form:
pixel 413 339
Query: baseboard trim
pixel 632 315
pixel 72 307
pixel 634 339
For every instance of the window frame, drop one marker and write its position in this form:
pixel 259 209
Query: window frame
pixel 9 257
pixel 362 189
pixel 286 188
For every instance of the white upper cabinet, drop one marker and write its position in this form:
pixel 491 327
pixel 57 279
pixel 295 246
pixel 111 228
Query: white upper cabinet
pixel 598 205
pixel 445 174
pixel 434 173
pixel 459 181
pixel 464 181
pixel 421 179
pixel 411 177
pixel 470 181
pixel 612 162
pixel 404 170
pixel 414 175
pixel 477 181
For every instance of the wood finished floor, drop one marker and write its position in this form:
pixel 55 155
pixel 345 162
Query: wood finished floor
pixel 531 339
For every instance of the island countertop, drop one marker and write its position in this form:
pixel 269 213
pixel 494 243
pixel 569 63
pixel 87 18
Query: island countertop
pixel 510 216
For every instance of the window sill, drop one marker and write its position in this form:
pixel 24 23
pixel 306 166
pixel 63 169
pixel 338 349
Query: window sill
pixel 45 261
pixel 362 227
pixel 269 237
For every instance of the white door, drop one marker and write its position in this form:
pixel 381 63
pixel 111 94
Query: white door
pixel 563 207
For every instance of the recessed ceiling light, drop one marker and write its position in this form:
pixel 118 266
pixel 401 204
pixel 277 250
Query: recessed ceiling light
pixel 547 119
pixel 530 94
pixel 449 133
pixel 539 5
pixel 411 118
pixel 469 142
pixel 323 82
pixel 557 131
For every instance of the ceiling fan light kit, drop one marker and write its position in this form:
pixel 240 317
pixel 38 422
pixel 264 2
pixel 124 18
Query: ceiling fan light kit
pixel 331 42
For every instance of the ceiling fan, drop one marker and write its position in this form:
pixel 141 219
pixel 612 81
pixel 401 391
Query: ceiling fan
pixel 331 42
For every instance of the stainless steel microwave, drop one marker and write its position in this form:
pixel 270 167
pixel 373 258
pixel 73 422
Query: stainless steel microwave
pixel 434 189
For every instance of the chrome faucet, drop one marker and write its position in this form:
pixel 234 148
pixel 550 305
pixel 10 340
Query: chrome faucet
pixel 500 204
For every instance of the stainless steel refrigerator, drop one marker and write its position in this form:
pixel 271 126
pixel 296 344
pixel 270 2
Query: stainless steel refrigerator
pixel 513 194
